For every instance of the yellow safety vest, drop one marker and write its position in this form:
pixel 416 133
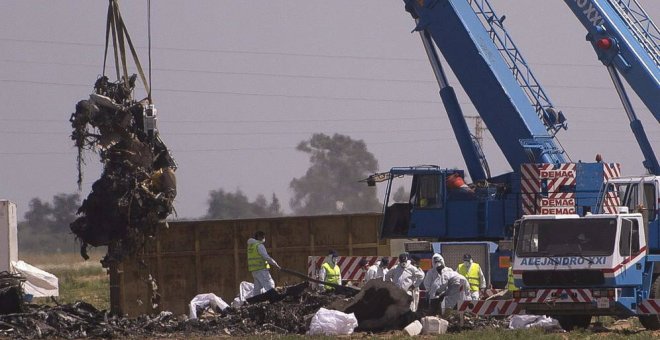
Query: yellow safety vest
pixel 511 286
pixel 472 276
pixel 254 259
pixel 331 274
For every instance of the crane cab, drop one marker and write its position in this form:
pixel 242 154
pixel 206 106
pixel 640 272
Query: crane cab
pixel 433 202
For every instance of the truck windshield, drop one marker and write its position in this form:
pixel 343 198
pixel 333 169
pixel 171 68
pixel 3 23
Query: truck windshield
pixel 566 237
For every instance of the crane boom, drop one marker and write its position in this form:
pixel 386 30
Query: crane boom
pixel 495 76
pixel 627 42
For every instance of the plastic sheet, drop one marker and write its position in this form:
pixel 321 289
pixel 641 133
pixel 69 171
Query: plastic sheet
pixel 38 283
pixel 528 321
pixel 332 322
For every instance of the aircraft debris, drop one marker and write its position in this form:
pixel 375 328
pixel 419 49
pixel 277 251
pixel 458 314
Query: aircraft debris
pixel 137 188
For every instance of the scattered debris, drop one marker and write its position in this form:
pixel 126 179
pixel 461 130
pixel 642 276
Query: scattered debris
pixel 137 187
pixel 474 322
pixel 11 293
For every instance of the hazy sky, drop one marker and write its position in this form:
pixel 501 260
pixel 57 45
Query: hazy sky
pixel 238 84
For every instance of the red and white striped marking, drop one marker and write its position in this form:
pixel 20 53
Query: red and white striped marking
pixel 490 307
pixel 348 265
pixel 612 201
pixel 558 200
pixel 560 295
pixel 647 307
pixel 530 186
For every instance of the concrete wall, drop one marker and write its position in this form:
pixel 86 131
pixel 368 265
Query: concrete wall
pixel 8 235
pixel 195 257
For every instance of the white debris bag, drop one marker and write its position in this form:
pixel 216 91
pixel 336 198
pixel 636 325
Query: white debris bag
pixel 415 328
pixel 38 283
pixel 434 325
pixel 204 301
pixel 332 322
pixel 246 290
pixel 529 321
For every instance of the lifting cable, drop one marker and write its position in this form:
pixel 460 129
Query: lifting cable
pixel 115 25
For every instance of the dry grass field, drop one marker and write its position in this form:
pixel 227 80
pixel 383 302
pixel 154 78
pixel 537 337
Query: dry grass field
pixel 78 279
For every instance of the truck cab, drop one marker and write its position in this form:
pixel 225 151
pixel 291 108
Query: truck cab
pixel 574 267
pixel 639 194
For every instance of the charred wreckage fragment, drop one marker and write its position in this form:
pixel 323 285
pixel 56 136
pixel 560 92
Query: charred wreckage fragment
pixel 137 188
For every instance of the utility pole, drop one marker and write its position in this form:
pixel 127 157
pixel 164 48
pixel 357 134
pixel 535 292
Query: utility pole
pixel 479 128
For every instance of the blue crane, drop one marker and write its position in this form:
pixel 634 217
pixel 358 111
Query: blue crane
pixel 522 120
pixel 627 42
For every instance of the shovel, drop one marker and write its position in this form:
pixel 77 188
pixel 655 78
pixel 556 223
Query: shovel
pixel 338 288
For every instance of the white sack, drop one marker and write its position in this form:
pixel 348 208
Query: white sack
pixel 246 290
pixel 528 321
pixel 38 283
pixel 204 301
pixel 332 322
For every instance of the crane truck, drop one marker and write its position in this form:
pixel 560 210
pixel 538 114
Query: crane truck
pixel 574 267
pixel 524 123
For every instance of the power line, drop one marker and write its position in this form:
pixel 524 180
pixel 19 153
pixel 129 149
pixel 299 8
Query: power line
pixel 268 53
pixel 275 95
pixel 74 152
pixel 243 133
pixel 296 76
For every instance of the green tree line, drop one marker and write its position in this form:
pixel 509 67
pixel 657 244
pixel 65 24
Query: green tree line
pixel 329 186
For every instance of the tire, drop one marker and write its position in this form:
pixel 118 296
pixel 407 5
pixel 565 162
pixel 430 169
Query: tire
pixel 652 322
pixel 571 322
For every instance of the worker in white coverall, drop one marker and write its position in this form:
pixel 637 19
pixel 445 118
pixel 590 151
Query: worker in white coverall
pixel 407 277
pixel 429 283
pixel 452 286
pixel 472 272
pixel 377 270
pixel 259 262
pixel 330 271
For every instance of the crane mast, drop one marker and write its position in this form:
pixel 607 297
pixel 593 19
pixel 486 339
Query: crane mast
pixel 627 42
pixel 495 76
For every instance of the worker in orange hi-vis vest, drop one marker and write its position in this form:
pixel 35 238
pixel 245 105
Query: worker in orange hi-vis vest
pixel 472 272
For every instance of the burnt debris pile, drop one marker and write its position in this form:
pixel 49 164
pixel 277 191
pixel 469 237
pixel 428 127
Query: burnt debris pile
pixel 137 187
pixel 378 308
pixel 81 320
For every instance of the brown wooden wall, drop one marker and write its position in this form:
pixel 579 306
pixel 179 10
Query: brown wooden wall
pixel 195 257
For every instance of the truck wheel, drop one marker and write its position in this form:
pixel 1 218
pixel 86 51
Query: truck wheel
pixel 571 322
pixel 652 322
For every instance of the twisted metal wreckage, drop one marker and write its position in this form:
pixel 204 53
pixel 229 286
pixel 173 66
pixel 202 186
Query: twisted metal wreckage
pixel 137 187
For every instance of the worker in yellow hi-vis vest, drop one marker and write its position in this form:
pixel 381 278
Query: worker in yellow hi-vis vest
pixel 330 271
pixel 472 272
pixel 511 286
pixel 258 264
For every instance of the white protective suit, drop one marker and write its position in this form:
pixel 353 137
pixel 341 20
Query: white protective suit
pixel 263 282
pixel 375 271
pixel 408 278
pixel 454 286
pixel 432 275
